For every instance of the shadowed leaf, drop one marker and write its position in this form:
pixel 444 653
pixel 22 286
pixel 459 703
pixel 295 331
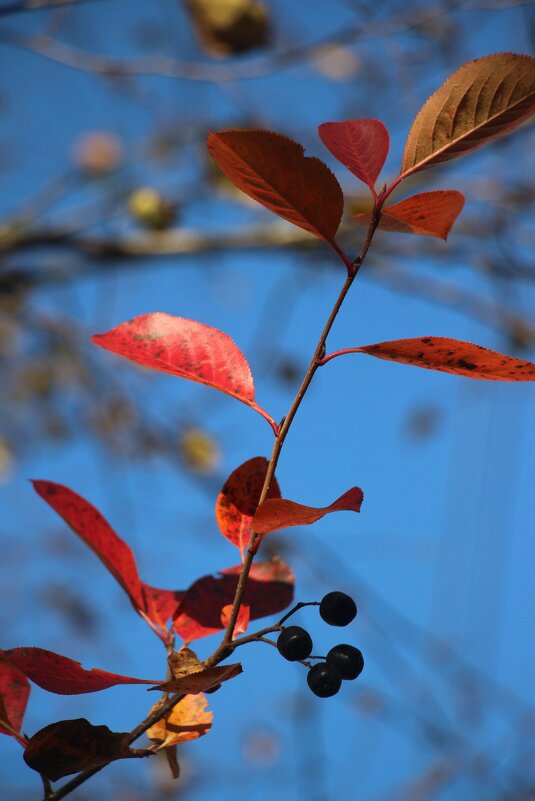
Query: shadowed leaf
pixel 237 501
pixel 428 213
pixel 276 514
pixel 453 356
pixel 200 680
pixel 61 675
pixel 360 145
pixel 273 170
pixel 70 746
pixel 269 590
pixel 187 349
pixel 88 523
pixel 14 692
pixel 482 100
pixel 188 720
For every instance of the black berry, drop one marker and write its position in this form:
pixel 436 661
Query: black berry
pixel 347 659
pixel 324 680
pixel 338 609
pixel 294 643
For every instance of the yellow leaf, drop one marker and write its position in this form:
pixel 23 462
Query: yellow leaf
pixel 483 99
pixel 188 720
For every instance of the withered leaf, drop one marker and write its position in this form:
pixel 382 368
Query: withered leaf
pixel 70 746
pixel 188 720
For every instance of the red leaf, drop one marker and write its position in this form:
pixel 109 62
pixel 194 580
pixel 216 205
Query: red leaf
pixel 269 590
pixel 452 356
pixel 86 521
pixel 14 692
pixel 428 213
pixel 61 675
pixel 275 514
pixel 187 349
pixel 70 746
pixel 273 170
pixel 237 501
pixel 361 146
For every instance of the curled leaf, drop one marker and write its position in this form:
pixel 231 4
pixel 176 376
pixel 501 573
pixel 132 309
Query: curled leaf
pixel 273 170
pixel 70 746
pixel 237 501
pixel 361 146
pixel 187 349
pixel 188 720
pixel 452 356
pixel 281 513
pixel 269 590
pixel 201 680
pixel 482 100
pixel 427 213
pixel 14 692
pixel 61 675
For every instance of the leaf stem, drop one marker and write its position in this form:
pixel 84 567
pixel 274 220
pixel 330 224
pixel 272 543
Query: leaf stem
pixel 225 647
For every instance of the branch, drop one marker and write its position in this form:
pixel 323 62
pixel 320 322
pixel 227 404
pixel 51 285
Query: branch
pixel 37 5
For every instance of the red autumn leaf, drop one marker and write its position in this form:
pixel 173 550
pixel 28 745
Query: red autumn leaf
pixel 450 356
pixel 275 514
pixel 14 692
pixel 61 675
pixel 360 145
pixel 242 621
pixel 269 590
pixel 88 523
pixel 428 214
pixel 237 501
pixel 70 746
pixel 273 170
pixel 187 349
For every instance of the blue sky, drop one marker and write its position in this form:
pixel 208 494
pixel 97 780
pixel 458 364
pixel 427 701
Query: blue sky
pixel 442 551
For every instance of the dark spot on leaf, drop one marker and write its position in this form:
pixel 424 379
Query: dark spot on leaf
pixel 466 365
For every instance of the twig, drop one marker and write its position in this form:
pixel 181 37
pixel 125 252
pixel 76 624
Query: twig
pixel 37 5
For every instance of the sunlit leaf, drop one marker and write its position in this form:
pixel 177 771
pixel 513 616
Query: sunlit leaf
pixel 453 356
pixel 70 746
pixel 14 692
pixel 237 501
pixel 61 675
pixel 242 621
pixel 276 514
pixel 482 100
pixel 187 349
pixel 428 213
pixel 269 590
pixel 188 720
pixel 360 145
pixel 88 523
pixel 273 170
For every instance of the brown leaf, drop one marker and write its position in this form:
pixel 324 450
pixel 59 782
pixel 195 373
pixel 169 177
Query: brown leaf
pixel 201 680
pixel 70 746
pixel 482 100
pixel 273 170
pixel 183 663
pixel 188 720
pixel 453 356
pixel 428 214
pixel 276 514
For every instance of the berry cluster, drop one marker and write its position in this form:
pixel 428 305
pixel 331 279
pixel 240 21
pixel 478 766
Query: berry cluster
pixel 342 662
